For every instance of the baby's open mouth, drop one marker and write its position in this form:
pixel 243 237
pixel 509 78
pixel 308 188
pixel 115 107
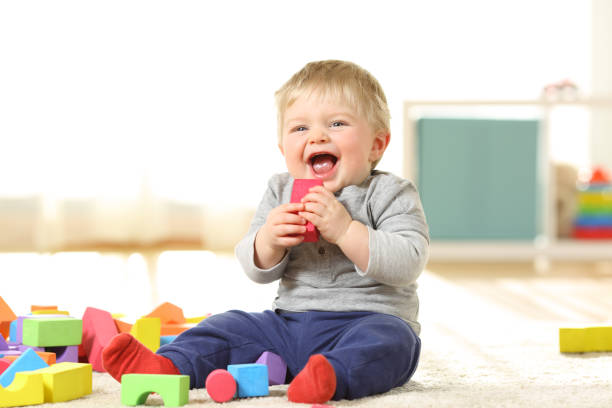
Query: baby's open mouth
pixel 323 163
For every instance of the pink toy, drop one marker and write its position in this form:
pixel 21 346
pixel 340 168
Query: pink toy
pixel 300 189
pixel 221 385
pixel 98 330
pixel 4 365
pixel 277 369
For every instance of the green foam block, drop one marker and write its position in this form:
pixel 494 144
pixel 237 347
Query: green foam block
pixel 52 332
pixel 174 389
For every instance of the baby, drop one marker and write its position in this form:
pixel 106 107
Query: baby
pixel 345 316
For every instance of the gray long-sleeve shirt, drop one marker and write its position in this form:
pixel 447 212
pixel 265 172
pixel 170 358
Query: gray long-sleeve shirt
pixel 318 276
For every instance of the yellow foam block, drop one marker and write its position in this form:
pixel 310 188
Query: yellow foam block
pixel 66 381
pixel 50 312
pixel 26 389
pixel 197 319
pixel 148 331
pixel 585 340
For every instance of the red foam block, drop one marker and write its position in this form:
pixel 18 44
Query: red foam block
pixel 300 189
pixel 221 385
pixel 98 330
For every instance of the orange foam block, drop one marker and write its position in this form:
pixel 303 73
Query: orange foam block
pixel 35 308
pixel 123 327
pixel 6 317
pixel 47 357
pixel 174 329
pixel 98 330
pixel 168 313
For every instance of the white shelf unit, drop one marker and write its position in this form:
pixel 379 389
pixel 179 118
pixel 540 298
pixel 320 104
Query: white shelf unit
pixel 547 246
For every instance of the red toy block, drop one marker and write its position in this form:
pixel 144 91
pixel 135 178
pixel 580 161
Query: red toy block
pixel 168 313
pixel 300 189
pixel 592 233
pixel 221 385
pixel 599 175
pixel 4 363
pixel 98 330
pixel 6 317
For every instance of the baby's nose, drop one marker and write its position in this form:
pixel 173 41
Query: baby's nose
pixel 319 136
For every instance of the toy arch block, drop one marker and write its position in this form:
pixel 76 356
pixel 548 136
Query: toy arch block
pixel 66 381
pixel 26 389
pixel 98 330
pixel 173 389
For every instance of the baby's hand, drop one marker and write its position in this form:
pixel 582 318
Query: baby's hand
pixel 326 213
pixel 283 227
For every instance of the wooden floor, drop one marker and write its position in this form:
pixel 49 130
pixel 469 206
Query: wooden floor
pixel 570 293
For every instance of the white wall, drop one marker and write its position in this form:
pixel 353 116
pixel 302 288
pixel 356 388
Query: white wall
pixel 601 142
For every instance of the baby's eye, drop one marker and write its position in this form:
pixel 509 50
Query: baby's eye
pixel 337 123
pixel 299 129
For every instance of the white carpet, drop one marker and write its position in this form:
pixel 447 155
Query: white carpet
pixel 490 339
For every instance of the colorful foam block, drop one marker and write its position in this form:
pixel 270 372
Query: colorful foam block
pixel 65 354
pixel 28 361
pixel 98 330
pixel 220 385
pixel 66 381
pixel 196 319
pixel 3 344
pixel 51 312
pixel 300 189
pixel 47 357
pixel 13 331
pixel 34 308
pixel 148 331
pixel 174 389
pixel 4 363
pixel 123 327
pixel 6 317
pixel 277 368
pixel 168 313
pixel 51 332
pixel 166 340
pixel 26 389
pixel 252 379
pixel 585 340
pixel 174 329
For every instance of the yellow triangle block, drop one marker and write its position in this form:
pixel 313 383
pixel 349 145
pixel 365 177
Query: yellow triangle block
pixel 66 381
pixel 148 331
pixel 26 389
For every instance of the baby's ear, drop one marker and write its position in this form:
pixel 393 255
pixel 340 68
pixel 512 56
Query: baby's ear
pixel 381 141
pixel 280 147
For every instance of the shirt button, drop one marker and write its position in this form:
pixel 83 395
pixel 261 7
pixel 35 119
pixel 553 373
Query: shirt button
pixel 321 251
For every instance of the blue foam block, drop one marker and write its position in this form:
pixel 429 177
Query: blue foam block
pixel 166 340
pixel 13 331
pixel 251 379
pixel 28 361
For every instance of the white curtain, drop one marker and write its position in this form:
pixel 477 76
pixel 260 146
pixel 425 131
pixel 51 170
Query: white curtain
pixel 140 122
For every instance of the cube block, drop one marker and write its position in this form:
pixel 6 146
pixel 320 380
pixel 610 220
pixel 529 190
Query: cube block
pixel 252 379
pixel 66 381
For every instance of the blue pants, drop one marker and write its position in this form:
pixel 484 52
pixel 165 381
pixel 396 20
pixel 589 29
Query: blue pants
pixel 370 352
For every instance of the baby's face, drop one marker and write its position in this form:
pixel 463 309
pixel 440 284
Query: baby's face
pixel 325 139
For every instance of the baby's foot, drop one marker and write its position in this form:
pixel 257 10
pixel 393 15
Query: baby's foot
pixel 315 384
pixel 125 355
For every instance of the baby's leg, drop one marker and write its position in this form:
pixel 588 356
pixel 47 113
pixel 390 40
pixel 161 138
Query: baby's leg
pixel 376 353
pixel 233 337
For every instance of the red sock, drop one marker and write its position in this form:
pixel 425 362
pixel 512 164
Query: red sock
pixel 315 384
pixel 125 355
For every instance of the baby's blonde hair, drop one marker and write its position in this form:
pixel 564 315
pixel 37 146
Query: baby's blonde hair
pixel 344 81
